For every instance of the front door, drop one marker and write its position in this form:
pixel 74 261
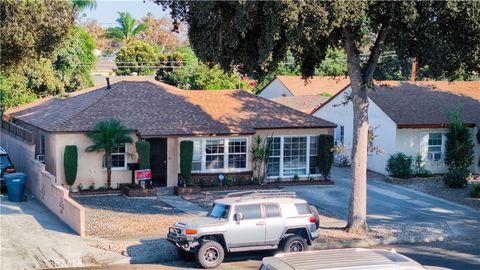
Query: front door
pixel 250 231
pixel 158 161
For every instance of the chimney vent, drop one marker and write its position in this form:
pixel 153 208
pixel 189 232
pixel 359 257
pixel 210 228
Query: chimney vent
pixel 108 83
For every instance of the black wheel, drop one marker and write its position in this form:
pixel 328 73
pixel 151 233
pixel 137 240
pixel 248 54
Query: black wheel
pixel 295 243
pixel 316 215
pixel 185 255
pixel 210 254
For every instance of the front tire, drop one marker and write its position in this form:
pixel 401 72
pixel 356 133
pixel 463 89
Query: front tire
pixel 210 254
pixel 295 243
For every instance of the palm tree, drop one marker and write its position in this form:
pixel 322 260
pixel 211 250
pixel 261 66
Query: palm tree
pixel 128 28
pixel 105 136
pixel 84 4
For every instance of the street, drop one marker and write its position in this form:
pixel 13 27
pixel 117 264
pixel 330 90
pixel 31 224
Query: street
pixel 458 254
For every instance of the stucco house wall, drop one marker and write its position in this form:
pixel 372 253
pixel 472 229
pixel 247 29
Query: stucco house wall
pixel 90 170
pixel 385 129
pixel 275 89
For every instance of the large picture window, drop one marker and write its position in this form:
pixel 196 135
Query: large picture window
pixel 214 154
pixel 295 156
pixel 119 156
pixel 314 169
pixel 197 155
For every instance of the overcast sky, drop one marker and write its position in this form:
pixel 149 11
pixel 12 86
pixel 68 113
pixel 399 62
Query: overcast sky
pixel 106 11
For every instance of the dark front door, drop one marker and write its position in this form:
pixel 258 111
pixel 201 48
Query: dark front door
pixel 158 161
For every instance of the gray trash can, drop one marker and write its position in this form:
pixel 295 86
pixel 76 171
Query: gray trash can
pixel 15 186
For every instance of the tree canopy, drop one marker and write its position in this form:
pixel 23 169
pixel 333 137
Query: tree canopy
pixel 137 56
pixel 32 29
pixel 254 37
pixel 127 29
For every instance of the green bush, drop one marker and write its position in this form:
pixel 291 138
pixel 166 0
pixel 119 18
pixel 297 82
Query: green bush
pixel 70 163
pixel 229 181
pixel 296 178
pixel 475 191
pixel 186 156
pixel 325 154
pixel 459 145
pixel 400 165
pixel 456 179
pixel 420 169
pixel 143 150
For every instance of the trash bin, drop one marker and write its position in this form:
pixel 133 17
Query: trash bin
pixel 15 186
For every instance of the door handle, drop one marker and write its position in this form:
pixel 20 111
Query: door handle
pixel 260 223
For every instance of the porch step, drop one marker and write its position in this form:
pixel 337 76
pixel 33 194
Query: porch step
pixel 164 191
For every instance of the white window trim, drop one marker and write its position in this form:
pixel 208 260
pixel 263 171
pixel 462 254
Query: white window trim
pixel 225 168
pixel 442 148
pixel 280 176
pixel 125 167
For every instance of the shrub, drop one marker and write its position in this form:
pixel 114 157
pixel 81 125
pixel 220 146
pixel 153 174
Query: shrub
pixel 296 178
pixel 420 169
pixel 459 145
pixel 325 154
pixel 400 165
pixel 70 163
pixel 80 187
pixel 456 178
pixel 143 150
pixel 186 156
pixel 229 181
pixel 475 191
pixel 91 187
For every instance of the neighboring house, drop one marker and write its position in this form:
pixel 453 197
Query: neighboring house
pixel 409 117
pixel 222 125
pixel 303 95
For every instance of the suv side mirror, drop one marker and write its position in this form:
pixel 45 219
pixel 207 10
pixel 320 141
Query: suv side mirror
pixel 238 216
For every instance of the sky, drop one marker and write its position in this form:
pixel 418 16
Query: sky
pixel 106 11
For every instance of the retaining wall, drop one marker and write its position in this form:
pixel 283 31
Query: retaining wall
pixel 42 184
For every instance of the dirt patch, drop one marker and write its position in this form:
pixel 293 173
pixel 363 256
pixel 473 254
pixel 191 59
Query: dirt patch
pixel 118 215
pixel 438 189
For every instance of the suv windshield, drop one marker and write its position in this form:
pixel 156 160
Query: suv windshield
pixel 219 211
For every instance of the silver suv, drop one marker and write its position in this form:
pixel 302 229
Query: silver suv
pixel 245 221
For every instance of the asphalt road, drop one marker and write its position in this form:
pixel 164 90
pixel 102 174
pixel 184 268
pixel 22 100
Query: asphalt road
pixel 461 255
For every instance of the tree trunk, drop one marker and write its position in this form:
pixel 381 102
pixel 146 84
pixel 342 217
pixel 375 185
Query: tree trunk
pixel 357 212
pixel 109 171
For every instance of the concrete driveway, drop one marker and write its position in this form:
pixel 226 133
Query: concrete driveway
pixel 390 204
pixel 33 237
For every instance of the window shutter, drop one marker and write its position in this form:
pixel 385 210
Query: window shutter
pixel 424 145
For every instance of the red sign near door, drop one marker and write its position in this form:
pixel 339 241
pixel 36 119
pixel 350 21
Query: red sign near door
pixel 143 175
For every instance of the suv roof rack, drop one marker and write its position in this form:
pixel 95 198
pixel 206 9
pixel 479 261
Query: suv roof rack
pixel 261 194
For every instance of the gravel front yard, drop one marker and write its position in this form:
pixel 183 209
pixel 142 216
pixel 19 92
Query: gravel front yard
pixel 438 189
pixel 117 215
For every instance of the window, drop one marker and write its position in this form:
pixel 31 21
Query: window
pixel 272 210
pixel 435 146
pixel 339 135
pixel 303 209
pixel 219 211
pixel 119 156
pixel 197 155
pixel 252 211
pixel 295 156
pixel 214 153
pixel 237 153
pixel 273 164
pixel 314 169
pixel 42 145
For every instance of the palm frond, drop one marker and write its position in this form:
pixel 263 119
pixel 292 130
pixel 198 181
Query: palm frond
pixel 140 28
pixel 115 33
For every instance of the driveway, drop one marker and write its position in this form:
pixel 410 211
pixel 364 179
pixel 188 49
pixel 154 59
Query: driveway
pixel 390 204
pixel 33 237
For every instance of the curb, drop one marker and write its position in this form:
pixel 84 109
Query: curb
pixel 378 242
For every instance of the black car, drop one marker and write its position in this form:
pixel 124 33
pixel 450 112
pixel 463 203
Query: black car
pixel 6 167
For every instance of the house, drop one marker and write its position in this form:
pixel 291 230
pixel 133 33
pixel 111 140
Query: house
pixel 303 95
pixel 222 125
pixel 409 117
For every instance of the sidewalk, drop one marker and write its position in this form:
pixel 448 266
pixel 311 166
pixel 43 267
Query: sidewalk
pixel 183 205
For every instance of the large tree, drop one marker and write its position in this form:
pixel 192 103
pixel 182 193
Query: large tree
pixel 128 28
pixel 32 29
pixel 160 32
pixel 255 36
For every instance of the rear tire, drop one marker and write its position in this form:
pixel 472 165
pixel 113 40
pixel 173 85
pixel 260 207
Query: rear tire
pixel 210 254
pixel 295 243
pixel 316 215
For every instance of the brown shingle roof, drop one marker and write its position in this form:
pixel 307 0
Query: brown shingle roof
pixel 157 109
pixel 315 85
pixel 304 104
pixel 417 104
